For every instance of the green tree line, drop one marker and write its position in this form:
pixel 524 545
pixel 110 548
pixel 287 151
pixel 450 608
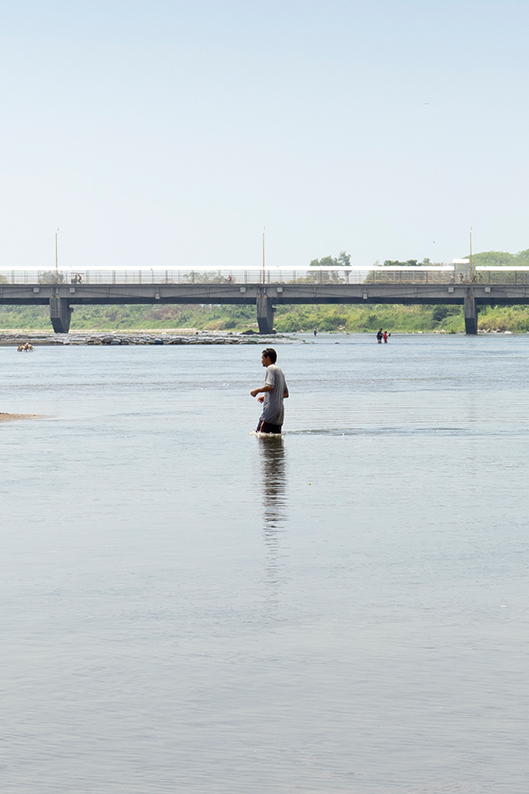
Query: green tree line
pixel 288 319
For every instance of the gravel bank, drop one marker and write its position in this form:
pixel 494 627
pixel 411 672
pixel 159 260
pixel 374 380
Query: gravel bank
pixel 36 338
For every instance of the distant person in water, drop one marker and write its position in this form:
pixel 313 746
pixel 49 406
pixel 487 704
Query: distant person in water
pixel 386 337
pixel 272 394
pixel 315 332
pixel 380 335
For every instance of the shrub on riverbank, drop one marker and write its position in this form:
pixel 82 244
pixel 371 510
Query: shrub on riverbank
pixel 358 319
pixel 288 319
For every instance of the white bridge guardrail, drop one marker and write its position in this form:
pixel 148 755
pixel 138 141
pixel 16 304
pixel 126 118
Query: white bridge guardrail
pixel 421 274
pixel 373 274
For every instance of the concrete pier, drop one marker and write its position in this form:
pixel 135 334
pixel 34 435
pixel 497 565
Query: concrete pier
pixel 265 313
pixel 60 314
pixel 471 314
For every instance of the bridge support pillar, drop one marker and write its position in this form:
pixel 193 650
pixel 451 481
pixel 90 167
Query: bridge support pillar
pixel 60 314
pixel 471 315
pixel 265 314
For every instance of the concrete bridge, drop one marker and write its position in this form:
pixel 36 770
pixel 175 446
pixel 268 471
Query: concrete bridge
pixel 263 289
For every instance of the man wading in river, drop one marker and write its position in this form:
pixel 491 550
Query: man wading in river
pixel 274 391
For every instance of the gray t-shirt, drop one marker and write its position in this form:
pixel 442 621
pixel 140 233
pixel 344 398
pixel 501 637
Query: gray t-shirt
pixel 273 411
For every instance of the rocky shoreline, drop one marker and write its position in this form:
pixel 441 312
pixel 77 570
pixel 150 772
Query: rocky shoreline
pixel 36 338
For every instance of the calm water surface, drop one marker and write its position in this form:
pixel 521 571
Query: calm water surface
pixel 186 607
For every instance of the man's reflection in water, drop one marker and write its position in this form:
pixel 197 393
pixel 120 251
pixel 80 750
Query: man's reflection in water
pixel 274 503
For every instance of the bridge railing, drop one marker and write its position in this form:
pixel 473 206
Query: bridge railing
pixel 379 274
pixel 502 275
pixel 237 275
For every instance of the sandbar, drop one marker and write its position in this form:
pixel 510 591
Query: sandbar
pixel 12 417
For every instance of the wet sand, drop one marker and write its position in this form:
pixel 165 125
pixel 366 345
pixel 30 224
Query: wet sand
pixel 12 417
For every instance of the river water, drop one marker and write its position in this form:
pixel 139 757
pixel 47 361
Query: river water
pixel 187 607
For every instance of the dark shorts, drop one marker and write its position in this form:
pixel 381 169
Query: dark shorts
pixel 266 427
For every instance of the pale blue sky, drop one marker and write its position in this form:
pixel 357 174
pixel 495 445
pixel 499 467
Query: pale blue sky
pixel 162 134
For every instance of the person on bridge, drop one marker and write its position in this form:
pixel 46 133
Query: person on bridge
pixel 273 393
pixel 380 334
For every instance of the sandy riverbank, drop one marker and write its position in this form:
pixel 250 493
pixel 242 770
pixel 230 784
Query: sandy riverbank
pixel 13 417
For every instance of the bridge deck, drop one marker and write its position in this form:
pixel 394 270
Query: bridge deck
pixel 278 293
